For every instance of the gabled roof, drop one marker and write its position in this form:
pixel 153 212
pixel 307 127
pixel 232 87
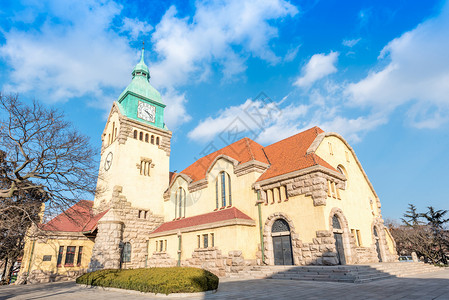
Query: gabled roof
pixel 216 216
pixel 78 218
pixel 290 154
pixel 285 156
pixel 243 150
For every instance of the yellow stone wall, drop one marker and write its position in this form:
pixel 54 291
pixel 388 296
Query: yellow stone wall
pixel 141 191
pixel 226 239
pixel 204 200
pixel 306 217
pixel 51 247
pixel 355 200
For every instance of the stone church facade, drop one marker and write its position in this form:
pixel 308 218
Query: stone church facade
pixel 304 200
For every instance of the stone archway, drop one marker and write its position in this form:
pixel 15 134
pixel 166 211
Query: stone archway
pixel 268 238
pixel 282 243
pixel 380 247
pixel 345 247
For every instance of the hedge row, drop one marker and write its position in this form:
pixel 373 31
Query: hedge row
pixel 154 280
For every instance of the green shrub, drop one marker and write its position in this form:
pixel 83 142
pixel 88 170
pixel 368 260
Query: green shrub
pixel 154 280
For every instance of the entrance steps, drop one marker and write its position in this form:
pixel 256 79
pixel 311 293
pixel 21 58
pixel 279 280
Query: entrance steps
pixel 347 273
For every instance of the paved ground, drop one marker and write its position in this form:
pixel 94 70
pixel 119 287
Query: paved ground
pixel 426 286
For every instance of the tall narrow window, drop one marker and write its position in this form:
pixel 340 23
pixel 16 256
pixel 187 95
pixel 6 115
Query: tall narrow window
pixel 198 238
pixel 212 240
pixel 126 254
pixel 80 256
pixel 216 193
pixel 157 141
pixel 60 253
pixel 223 190
pixel 141 136
pixel 135 134
pixel 115 134
pixel 152 139
pixel 205 241
pixel 229 190
pixel 180 203
pixel 146 137
pixel 70 255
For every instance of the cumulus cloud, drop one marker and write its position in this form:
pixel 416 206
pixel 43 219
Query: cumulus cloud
pixel 416 72
pixel 71 53
pixel 187 46
pixel 136 27
pixel 318 67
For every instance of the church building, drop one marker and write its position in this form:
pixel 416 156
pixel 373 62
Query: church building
pixel 304 200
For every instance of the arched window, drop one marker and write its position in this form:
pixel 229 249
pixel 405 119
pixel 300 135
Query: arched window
pixel 157 141
pixel 280 225
pixel 141 136
pixel 135 134
pixel 126 254
pixel 223 190
pixel 152 139
pixel 342 170
pixel 146 137
pixel 336 222
pixel 180 203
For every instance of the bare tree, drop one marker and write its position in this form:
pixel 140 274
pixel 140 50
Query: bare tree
pixel 43 152
pixel 43 159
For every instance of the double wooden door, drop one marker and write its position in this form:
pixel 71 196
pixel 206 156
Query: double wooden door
pixel 282 247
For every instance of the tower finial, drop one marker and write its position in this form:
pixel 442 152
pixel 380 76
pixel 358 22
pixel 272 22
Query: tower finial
pixel 143 50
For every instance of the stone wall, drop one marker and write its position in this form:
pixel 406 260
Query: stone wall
pixel 161 259
pixel 121 224
pixel 312 184
pixel 39 276
pixel 210 259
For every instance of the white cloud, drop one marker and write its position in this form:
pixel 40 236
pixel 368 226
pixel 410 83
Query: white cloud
pixel 351 43
pixel 188 46
pixel 318 67
pixel 416 71
pixel 72 54
pixel 175 111
pixel 136 27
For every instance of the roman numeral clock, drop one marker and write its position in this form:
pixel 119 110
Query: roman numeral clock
pixel 146 111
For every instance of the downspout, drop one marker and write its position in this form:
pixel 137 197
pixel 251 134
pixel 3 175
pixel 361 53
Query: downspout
pixel 179 249
pixel 259 208
pixel 31 258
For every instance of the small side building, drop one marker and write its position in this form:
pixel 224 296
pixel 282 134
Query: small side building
pixel 61 249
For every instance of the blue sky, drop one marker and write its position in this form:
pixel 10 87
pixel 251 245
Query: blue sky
pixel 376 72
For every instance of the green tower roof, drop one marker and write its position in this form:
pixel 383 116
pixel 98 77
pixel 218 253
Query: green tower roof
pixel 140 84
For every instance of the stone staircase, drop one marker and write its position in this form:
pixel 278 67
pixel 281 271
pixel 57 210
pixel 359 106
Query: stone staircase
pixel 348 273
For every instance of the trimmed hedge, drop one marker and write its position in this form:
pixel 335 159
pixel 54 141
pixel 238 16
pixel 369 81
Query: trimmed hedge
pixel 154 280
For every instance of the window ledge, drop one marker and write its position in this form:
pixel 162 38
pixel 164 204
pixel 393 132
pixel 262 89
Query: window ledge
pixel 68 265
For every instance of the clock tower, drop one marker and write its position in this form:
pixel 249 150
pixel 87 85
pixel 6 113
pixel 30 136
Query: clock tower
pixel 136 147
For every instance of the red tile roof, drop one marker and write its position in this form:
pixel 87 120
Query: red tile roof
pixel 216 216
pixel 78 218
pixel 285 156
pixel 289 154
pixel 243 151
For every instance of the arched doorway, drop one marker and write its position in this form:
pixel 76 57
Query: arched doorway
pixel 376 239
pixel 282 243
pixel 338 236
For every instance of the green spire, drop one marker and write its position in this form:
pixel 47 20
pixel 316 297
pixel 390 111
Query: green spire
pixel 141 68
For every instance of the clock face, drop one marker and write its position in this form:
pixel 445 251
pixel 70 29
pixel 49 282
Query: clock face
pixel 146 111
pixel 108 161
